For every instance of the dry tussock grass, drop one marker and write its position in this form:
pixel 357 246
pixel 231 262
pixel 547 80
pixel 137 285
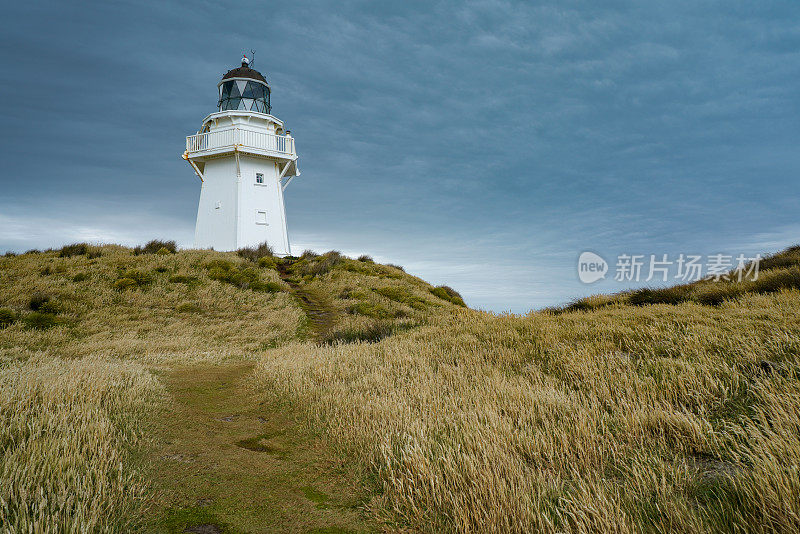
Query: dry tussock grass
pixel 74 398
pixel 623 419
pixel 68 428
pixel 628 419
pixel 150 322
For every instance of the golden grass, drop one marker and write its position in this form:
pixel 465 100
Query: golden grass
pixel 74 398
pixel 149 323
pixel 67 432
pixel 627 419
pixel 620 419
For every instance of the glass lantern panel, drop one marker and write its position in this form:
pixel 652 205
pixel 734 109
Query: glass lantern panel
pixel 248 90
pixel 226 90
pixel 234 90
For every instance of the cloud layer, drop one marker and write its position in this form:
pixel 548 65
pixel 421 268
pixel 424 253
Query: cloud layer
pixel 482 144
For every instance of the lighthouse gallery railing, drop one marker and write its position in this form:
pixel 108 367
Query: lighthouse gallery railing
pixel 230 137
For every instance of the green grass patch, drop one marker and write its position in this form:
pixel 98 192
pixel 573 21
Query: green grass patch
pixel 241 277
pixel 196 519
pixel 319 498
pixel 787 258
pixel 449 294
pixel 79 249
pixel 7 317
pixel 313 265
pixel 132 279
pixel 39 320
pixel 268 262
pixel 156 246
pixel 370 309
pixel 669 295
pixel 403 295
pixel 262 443
pixel 40 302
pixel 255 254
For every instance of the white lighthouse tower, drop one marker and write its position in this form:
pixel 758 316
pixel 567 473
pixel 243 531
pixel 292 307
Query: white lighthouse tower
pixel 244 158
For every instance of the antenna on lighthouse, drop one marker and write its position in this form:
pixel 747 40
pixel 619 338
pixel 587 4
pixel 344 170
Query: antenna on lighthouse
pixel 252 58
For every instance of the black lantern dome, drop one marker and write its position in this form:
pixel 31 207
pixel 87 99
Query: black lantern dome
pixel 244 89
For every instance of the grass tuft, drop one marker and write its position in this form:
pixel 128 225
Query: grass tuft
pixel 241 277
pixel 156 246
pixel 669 295
pixel 449 294
pixel 255 254
pixel 39 320
pixel 268 262
pixel 369 333
pixel 79 249
pixel 38 300
pixel 403 295
pixel 7 317
pixel 318 265
pixel 132 279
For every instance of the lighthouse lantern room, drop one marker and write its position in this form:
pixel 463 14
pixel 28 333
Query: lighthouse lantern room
pixel 245 158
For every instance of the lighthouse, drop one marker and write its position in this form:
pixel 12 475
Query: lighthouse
pixel 245 157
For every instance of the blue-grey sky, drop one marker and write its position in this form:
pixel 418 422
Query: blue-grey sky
pixel 480 144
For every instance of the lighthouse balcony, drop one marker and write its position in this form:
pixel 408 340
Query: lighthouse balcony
pixel 226 140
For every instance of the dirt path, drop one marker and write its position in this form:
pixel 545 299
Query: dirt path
pixel 318 307
pixel 229 463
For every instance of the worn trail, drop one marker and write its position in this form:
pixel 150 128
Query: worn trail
pixel 318 307
pixel 228 462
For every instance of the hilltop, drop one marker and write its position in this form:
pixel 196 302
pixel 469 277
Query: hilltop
pixel 158 390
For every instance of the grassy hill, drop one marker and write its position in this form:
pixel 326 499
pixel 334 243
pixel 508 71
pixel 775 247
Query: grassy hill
pixel 195 391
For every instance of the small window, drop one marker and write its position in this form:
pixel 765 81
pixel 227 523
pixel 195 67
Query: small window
pixel 259 178
pixel 261 217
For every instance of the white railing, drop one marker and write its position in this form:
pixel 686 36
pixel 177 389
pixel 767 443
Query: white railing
pixel 230 137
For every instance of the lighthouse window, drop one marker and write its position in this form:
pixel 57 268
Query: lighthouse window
pixel 259 178
pixel 244 95
pixel 261 217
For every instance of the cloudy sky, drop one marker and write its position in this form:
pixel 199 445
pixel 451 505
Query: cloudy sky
pixel 484 145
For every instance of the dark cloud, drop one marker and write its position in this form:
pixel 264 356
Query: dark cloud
pixel 485 144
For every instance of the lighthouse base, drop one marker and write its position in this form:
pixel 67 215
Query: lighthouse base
pixel 241 205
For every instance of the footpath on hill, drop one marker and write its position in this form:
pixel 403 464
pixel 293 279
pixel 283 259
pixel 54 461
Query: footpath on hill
pixel 229 462
pixel 318 307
